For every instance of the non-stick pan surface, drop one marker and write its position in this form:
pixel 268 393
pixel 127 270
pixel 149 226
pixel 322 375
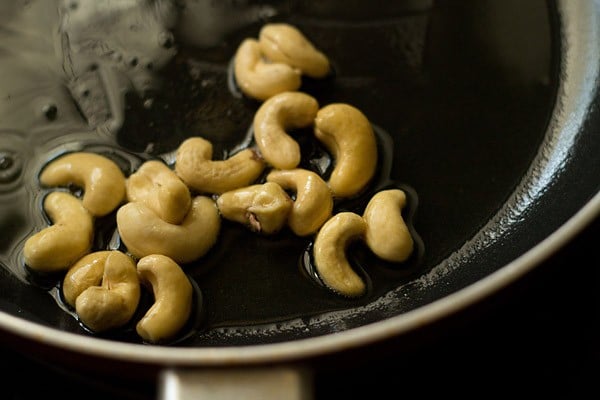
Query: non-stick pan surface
pixel 485 113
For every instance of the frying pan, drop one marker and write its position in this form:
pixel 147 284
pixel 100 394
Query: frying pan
pixel 486 113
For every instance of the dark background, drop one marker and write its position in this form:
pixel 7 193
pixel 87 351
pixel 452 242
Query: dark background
pixel 538 337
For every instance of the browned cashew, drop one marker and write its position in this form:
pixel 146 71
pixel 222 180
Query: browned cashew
pixel 281 42
pixel 158 187
pixel 329 252
pixel 172 298
pixel 102 180
pixel 264 208
pixel 113 304
pixel 145 233
pixel 86 272
pixel 349 136
pixel 194 165
pixel 313 203
pixel 387 234
pixel 287 110
pixel 58 246
pixel 260 79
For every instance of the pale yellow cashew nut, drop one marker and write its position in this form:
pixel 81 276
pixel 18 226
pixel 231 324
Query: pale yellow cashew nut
pixel 194 165
pixel 329 253
pixel 160 189
pixel 260 79
pixel 58 246
pixel 264 208
pixel 112 304
pixel 101 178
pixel 387 234
pixel 348 135
pixel 288 110
pixel 145 233
pixel 313 203
pixel 173 295
pixel 86 272
pixel 281 42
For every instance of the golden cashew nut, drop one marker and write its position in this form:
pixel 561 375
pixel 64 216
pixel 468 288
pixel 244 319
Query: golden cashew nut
pixel 101 178
pixel 145 233
pixel 58 246
pixel 172 298
pixel 288 110
pixel 194 165
pixel 264 208
pixel 286 44
pixel 86 272
pixel 330 253
pixel 313 204
pixel 348 135
pixel 112 304
pixel 161 190
pixel 387 234
pixel 260 79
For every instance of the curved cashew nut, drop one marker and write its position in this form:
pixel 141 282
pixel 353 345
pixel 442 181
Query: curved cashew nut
pixel 194 165
pixel 387 234
pixel 348 135
pixel 86 272
pixel 285 43
pixel 313 204
pixel 58 246
pixel 113 304
pixel 264 208
pixel 102 180
pixel 145 233
pixel 260 79
pixel 172 298
pixel 330 253
pixel 288 110
pixel 161 190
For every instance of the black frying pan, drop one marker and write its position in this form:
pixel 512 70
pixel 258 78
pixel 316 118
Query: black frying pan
pixel 486 114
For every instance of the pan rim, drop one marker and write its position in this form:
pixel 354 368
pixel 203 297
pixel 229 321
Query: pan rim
pixel 580 20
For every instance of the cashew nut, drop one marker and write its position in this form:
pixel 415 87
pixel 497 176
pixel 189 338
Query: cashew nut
pixel 348 135
pixel 58 246
pixel 264 208
pixel 86 272
pixel 285 43
pixel 145 233
pixel 101 178
pixel 387 234
pixel 113 304
pixel 260 79
pixel 194 165
pixel 330 253
pixel 287 110
pixel 313 203
pixel 172 298
pixel 161 190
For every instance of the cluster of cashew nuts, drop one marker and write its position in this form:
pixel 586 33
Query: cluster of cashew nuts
pixel 168 216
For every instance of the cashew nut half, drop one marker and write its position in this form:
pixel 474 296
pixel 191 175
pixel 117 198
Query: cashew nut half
pixel 101 178
pixel 194 165
pixel 330 253
pixel 145 233
pixel 113 304
pixel 387 234
pixel 313 204
pixel 285 43
pixel 264 208
pixel 348 135
pixel 172 298
pixel 287 110
pixel 161 190
pixel 58 246
pixel 86 272
pixel 260 79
